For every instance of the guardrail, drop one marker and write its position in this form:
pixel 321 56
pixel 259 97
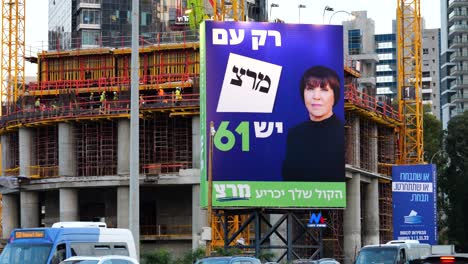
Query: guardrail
pixel 92 109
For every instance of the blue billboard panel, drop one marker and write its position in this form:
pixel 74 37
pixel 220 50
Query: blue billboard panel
pixel 273 94
pixel 414 190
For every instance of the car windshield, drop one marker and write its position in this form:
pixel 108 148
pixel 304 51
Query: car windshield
pixel 25 253
pixel 80 262
pixel 377 255
pixel 213 261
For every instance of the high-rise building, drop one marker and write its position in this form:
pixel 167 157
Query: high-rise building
pixel 386 70
pixel 454 58
pixel 94 23
pixel 359 47
pixel 430 70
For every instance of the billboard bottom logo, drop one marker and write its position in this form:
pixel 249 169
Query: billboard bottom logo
pixel 317 220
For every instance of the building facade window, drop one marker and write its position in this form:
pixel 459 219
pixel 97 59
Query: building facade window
pixel 90 37
pixel 354 41
pixel 90 16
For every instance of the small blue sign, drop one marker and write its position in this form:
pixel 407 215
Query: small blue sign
pixel 317 220
pixel 414 190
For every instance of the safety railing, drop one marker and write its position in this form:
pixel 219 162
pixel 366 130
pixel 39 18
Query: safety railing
pixel 108 83
pixel 165 231
pixel 36 172
pixel 65 42
pixel 363 100
pixel 155 169
pixel 14 172
pixel 95 108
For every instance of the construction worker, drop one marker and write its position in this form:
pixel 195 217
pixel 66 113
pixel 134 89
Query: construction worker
pixel 91 100
pixel 54 107
pixel 37 104
pixel 102 99
pixel 162 95
pixel 178 95
pixel 115 99
pixel 142 101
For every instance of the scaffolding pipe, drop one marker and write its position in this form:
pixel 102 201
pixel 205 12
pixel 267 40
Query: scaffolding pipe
pixel 134 205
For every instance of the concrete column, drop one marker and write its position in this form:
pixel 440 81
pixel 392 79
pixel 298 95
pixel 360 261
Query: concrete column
pixel 373 151
pixel 352 219
pixel 29 209
pixel 6 159
pixel 371 214
pixel 196 151
pixel 123 147
pixel 10 216
pixel 67 152
pixel 354 141
pixel 123 206
pixel 52 211
pixel 68 199
pixel 26 154
pixel 199 218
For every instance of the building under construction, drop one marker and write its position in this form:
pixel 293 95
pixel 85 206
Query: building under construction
pixel 65 150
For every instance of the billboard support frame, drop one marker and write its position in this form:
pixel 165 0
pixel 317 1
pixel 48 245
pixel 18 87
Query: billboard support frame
pixel 260 217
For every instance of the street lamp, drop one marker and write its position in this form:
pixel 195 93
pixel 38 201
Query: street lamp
pixel 271 7
pixel 299 7
pixel 327 8
pixel 341 11
pixel 435 154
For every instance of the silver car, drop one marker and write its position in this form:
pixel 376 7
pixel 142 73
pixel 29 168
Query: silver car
pixel 100 260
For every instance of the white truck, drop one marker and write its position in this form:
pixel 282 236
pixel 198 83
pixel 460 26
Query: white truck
pixel 393 252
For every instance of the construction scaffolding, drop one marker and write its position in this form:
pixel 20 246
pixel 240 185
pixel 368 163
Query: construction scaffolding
pixel 386 211
pixel 11 157
pixel 46 152
pixel 165 144
pixel 376 124
pixel 96 148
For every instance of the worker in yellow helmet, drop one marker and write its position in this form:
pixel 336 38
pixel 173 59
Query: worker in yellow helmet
pixel 178 95
pixel 102 99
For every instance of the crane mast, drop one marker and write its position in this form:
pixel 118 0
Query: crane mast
pixel 410 81
pixel 13 51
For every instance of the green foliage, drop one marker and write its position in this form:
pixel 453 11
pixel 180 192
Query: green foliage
pixel 432 137
pixel 221 251
pixel 191 257
pixel 266 256
pixel 157 257
pixel 456 185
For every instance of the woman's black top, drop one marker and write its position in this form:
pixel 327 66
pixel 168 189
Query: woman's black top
pixel 315 152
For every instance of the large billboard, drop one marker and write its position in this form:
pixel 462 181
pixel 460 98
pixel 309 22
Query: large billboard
pixel 274 94
pixel 414 190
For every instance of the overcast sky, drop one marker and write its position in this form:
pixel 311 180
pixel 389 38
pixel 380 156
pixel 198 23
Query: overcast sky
pixel 381 11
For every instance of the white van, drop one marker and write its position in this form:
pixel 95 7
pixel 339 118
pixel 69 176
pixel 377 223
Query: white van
pixel 66 239
pixel 393 252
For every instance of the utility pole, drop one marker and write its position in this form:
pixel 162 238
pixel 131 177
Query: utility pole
pixel 134 205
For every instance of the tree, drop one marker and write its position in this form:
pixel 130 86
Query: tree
pixel 433 137
pixel 456 176
pixel 434 153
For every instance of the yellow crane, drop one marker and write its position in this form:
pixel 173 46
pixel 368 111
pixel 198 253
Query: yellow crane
pixel 410 82
pixel 13 51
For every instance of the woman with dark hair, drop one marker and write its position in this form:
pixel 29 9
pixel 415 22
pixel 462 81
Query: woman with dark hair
pixel 315 148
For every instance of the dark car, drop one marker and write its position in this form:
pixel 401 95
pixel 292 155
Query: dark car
pixel 443 259
pixel 229 260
